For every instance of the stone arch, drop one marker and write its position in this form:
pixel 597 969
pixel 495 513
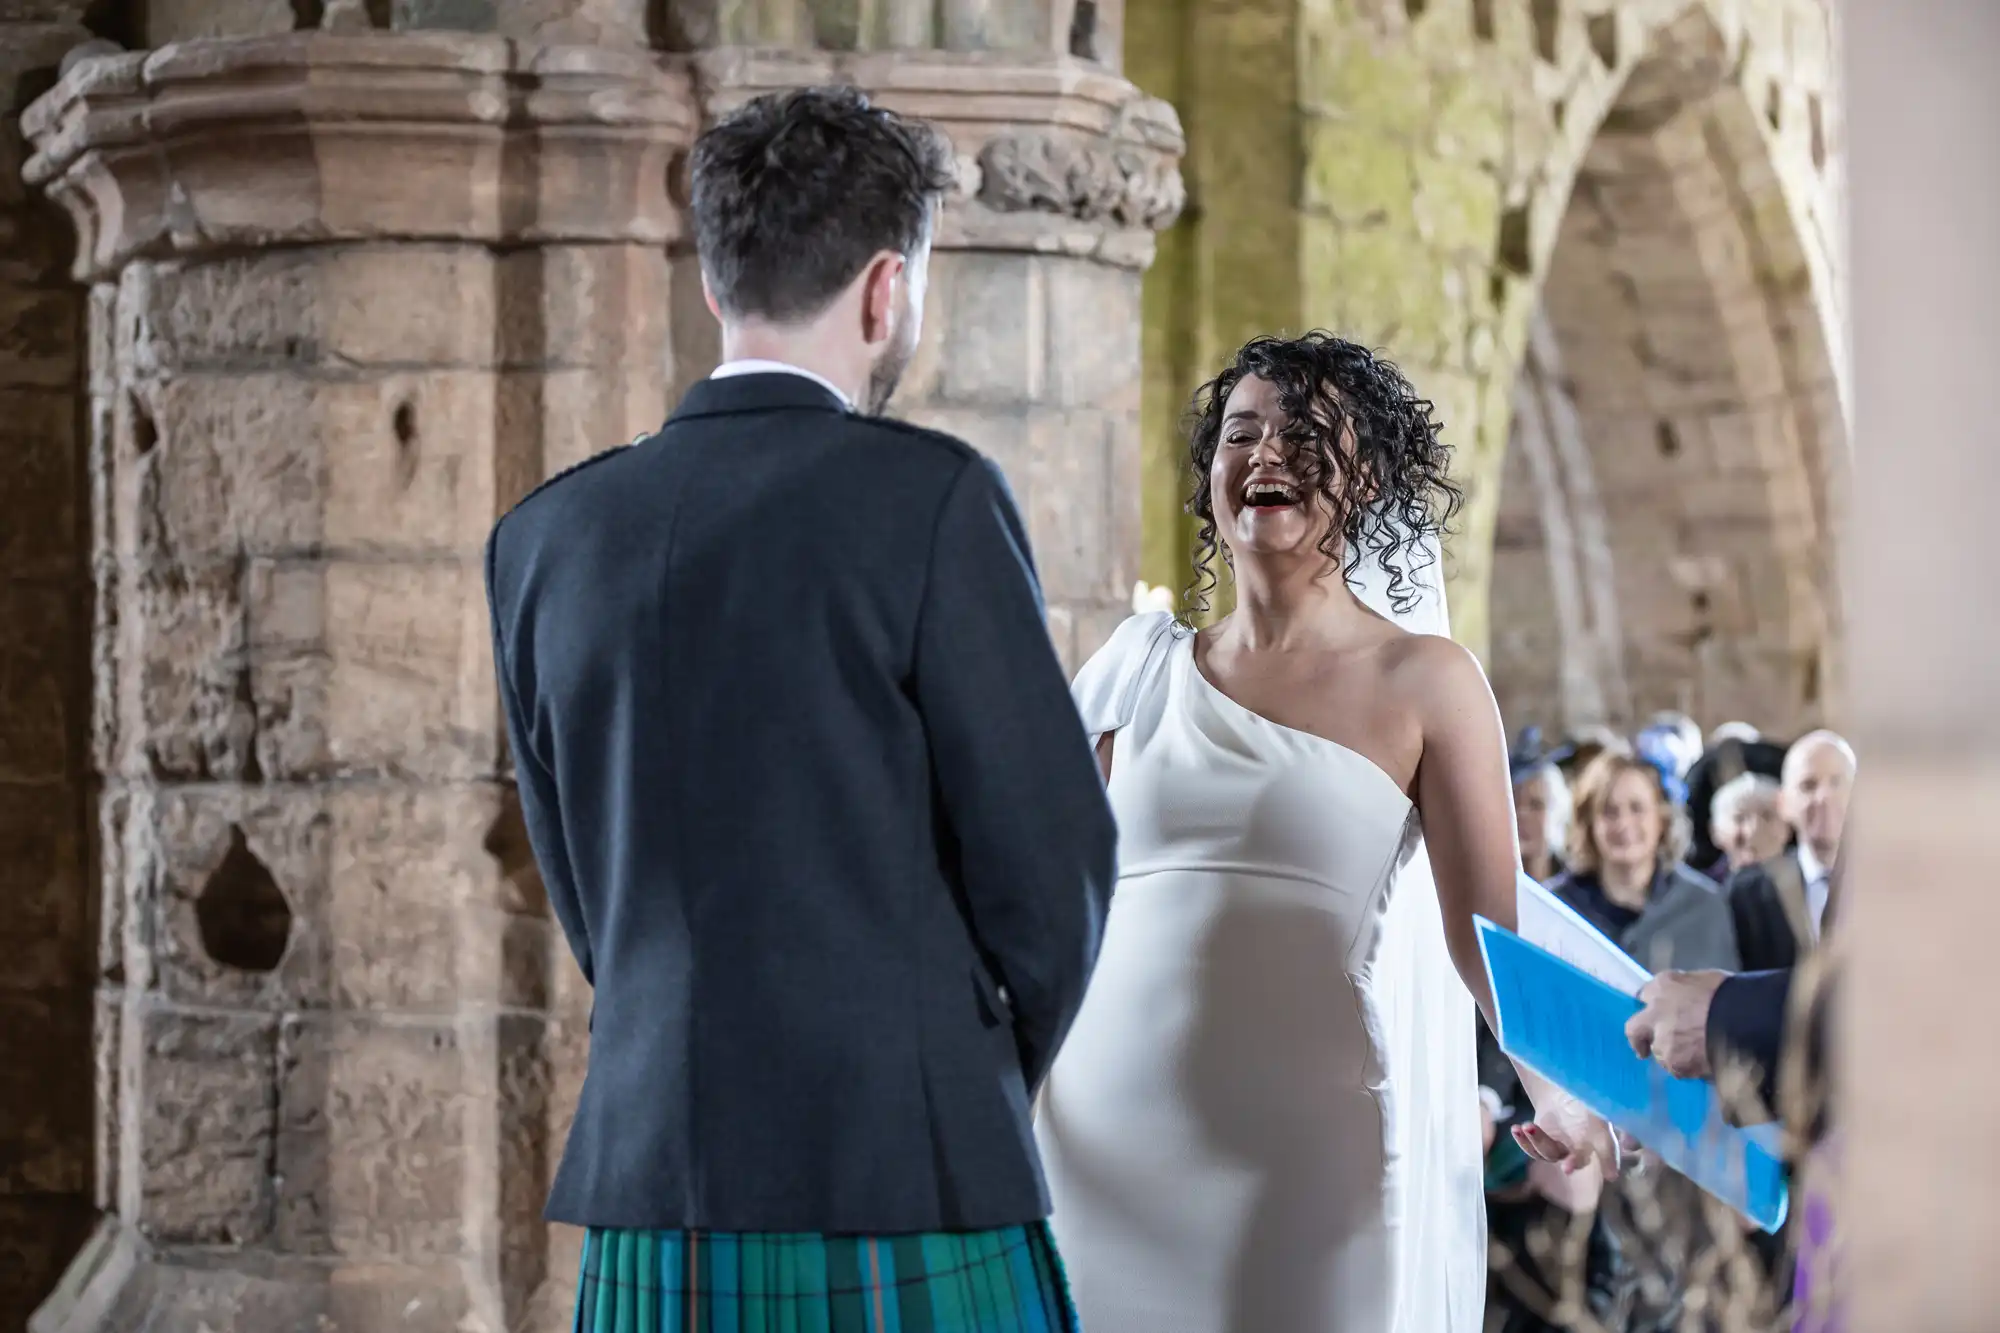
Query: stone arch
pixel 1414 200
pixel 1661 526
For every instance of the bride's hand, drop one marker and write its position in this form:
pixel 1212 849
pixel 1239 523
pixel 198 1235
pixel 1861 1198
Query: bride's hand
pixel 1565 1131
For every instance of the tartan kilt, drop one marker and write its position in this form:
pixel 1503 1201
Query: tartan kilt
pixel 1005 1281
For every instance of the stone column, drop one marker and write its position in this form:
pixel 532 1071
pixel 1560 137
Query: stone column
pixel 46 916
pixel 352 293
pixel 351 296
pixel 1919 1085
pixel 1031 333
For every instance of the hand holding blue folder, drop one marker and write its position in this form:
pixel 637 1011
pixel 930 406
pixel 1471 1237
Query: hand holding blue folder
pixel 1569 1027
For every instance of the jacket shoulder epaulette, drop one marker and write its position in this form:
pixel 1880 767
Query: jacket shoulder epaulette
pixel 573 469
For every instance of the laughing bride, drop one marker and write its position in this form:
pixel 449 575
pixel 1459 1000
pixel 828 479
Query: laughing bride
pixel 1266 1119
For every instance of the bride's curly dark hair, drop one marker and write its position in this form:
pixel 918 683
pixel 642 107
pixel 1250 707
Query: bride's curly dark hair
pixel 1387 492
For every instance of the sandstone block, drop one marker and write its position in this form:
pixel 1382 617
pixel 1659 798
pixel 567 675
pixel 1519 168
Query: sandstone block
pixel 325 306
pixel 433 1298
pixel 373 669
pixel 1367 292
pixel 39 698
pixel 1385 84
pixel 45 907
pixel 1125 511
pixel 1061 619
pixel 226 894
pixel 1472 119
pixel 447 15
pixel 1001 434
pixel 1355 174
pixel 584 306
pixel 180 698
pixel 1069 519
pixel 575 414
pixel 1093 335
pixel 45 1072
pixel 552 1309
pixel 182 20
pixel 697 338
pixel 207 1133
pixel 523 1160
pixel 40 501
pixel 275 464
pixel 407 466
pixel 992 340
pixel 1457 207
pixel 423 908
pixel 1094 625
pixel 372 1151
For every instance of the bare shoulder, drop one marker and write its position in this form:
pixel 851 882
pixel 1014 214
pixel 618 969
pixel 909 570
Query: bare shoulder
pixel 1440 679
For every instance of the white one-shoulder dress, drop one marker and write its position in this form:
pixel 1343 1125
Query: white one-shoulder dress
pixel 1266 1117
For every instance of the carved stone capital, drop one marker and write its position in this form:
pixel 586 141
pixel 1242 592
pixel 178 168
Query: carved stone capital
pixel 212 145
pixel 1056 155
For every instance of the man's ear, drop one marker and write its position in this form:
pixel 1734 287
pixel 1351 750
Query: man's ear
pixel 708 299
pixel 879 283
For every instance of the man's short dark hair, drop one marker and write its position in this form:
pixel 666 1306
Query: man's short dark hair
pixel 795 192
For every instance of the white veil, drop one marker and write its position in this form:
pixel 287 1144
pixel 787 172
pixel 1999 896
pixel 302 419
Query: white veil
pixel 1431 1099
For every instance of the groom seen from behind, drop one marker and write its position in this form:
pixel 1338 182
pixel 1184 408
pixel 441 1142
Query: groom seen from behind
pixel 807 788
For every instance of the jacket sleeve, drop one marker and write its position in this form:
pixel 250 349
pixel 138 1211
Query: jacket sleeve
pixel 1015 778
pixel 1748 893
pixel 1746 1022
pixel 534 781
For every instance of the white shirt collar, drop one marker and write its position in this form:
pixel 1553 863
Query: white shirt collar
pixel 755 366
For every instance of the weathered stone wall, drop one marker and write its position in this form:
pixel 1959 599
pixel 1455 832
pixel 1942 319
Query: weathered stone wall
pixel 350 293
pixel 1681 414
pixel 1405 174
pixel 47 912
pixel 338 1036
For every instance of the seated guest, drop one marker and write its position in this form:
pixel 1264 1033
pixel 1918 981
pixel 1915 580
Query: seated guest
pixel 1584 747
pixel 1745 825
pixel 1625 874
pixel 1541 807
pixel 1734 748
pixel 1778 905
pixel 1679 739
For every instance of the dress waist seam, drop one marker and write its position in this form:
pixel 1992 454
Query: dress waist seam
pixel 1249 869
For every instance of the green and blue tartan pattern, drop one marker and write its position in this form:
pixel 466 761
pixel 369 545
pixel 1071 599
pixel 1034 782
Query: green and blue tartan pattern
pixel 1005 1281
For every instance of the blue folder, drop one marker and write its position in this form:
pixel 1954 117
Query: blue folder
pixel 1570 1027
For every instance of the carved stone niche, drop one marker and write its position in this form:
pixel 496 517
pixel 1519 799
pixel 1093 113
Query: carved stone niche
pixel 316 137
pixel 1056 155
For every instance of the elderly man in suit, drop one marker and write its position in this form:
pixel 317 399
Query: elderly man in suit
pixel 1779 906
